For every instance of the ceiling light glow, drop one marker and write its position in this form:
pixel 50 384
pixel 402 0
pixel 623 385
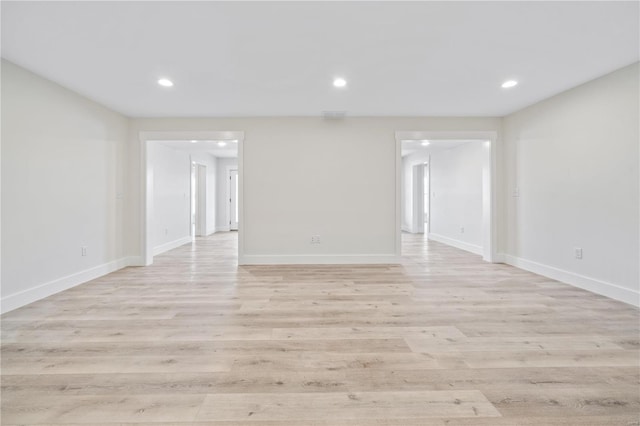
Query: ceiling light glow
pixel 509 83
pixel 425 143
pixel 194 141
pixel 221 144
pixel 165 82
pixel 339 82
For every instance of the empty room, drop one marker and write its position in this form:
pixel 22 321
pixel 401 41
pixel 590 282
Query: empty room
pixel 320 213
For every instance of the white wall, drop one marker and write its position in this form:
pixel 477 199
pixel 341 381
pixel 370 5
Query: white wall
pixel 456 194
pixel 574 160
pixel 212 195
pixel 62 187
pixel 222 192
pixel 171 171
pixel 308 176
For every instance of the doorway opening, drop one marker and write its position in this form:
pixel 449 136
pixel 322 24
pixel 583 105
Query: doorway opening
pixel 445 189
pixel 192 202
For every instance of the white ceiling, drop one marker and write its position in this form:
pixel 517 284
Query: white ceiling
pixel 230 150
pixel 279 58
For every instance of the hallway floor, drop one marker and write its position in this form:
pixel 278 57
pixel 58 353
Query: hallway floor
pixel 442 339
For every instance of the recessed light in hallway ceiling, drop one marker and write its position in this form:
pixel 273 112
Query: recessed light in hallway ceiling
pixel 165 82
pixel 339 82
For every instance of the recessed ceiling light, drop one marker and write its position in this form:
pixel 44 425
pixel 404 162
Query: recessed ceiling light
pixel 509 83
pixel 221 144
pixel 165 82
pixel 339 82
pixel 425 143
pixel 234 141
pixel 194 141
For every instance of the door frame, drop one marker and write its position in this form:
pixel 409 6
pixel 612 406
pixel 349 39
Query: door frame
pixel 489 184
pixel 417 201
pixel 426 171
pixel 230 170
pixel 146 182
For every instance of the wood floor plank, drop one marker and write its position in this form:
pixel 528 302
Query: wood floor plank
pixel 546 358
pixel 305 333
pixel 576 401
pixel 99 364
pixel 329 361
pixel 360 406
pixel 535 343
pixel 199 348
pixel 91 409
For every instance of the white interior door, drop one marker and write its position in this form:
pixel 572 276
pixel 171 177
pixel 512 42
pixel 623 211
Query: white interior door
pixel 233 200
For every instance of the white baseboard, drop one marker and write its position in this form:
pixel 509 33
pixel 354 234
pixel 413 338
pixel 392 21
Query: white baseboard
pixel 171 245
pixel 593 285
pixel 223 228
pixel 313 259
pixel 456 243
pixel 210 231
pixel 17 300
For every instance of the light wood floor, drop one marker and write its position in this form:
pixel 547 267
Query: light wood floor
pixel 443 339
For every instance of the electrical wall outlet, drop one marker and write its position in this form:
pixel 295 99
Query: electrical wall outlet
pixel 516 192
pixel 462 229
pixel 83 250
pixel 578 252
pixel 315 239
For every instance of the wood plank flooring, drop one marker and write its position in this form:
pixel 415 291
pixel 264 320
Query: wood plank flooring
pixel 442 339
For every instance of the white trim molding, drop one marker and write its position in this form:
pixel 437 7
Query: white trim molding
pixel 171 245
pixel 146 137
pixel 489 182
pixel 24 297
pixel 312 259
pixel 475 249
pixel 593 285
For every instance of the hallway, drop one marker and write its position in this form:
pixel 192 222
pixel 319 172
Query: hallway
pixel 443 338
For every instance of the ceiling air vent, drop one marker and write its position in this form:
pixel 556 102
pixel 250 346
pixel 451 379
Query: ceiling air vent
pixel 334 115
